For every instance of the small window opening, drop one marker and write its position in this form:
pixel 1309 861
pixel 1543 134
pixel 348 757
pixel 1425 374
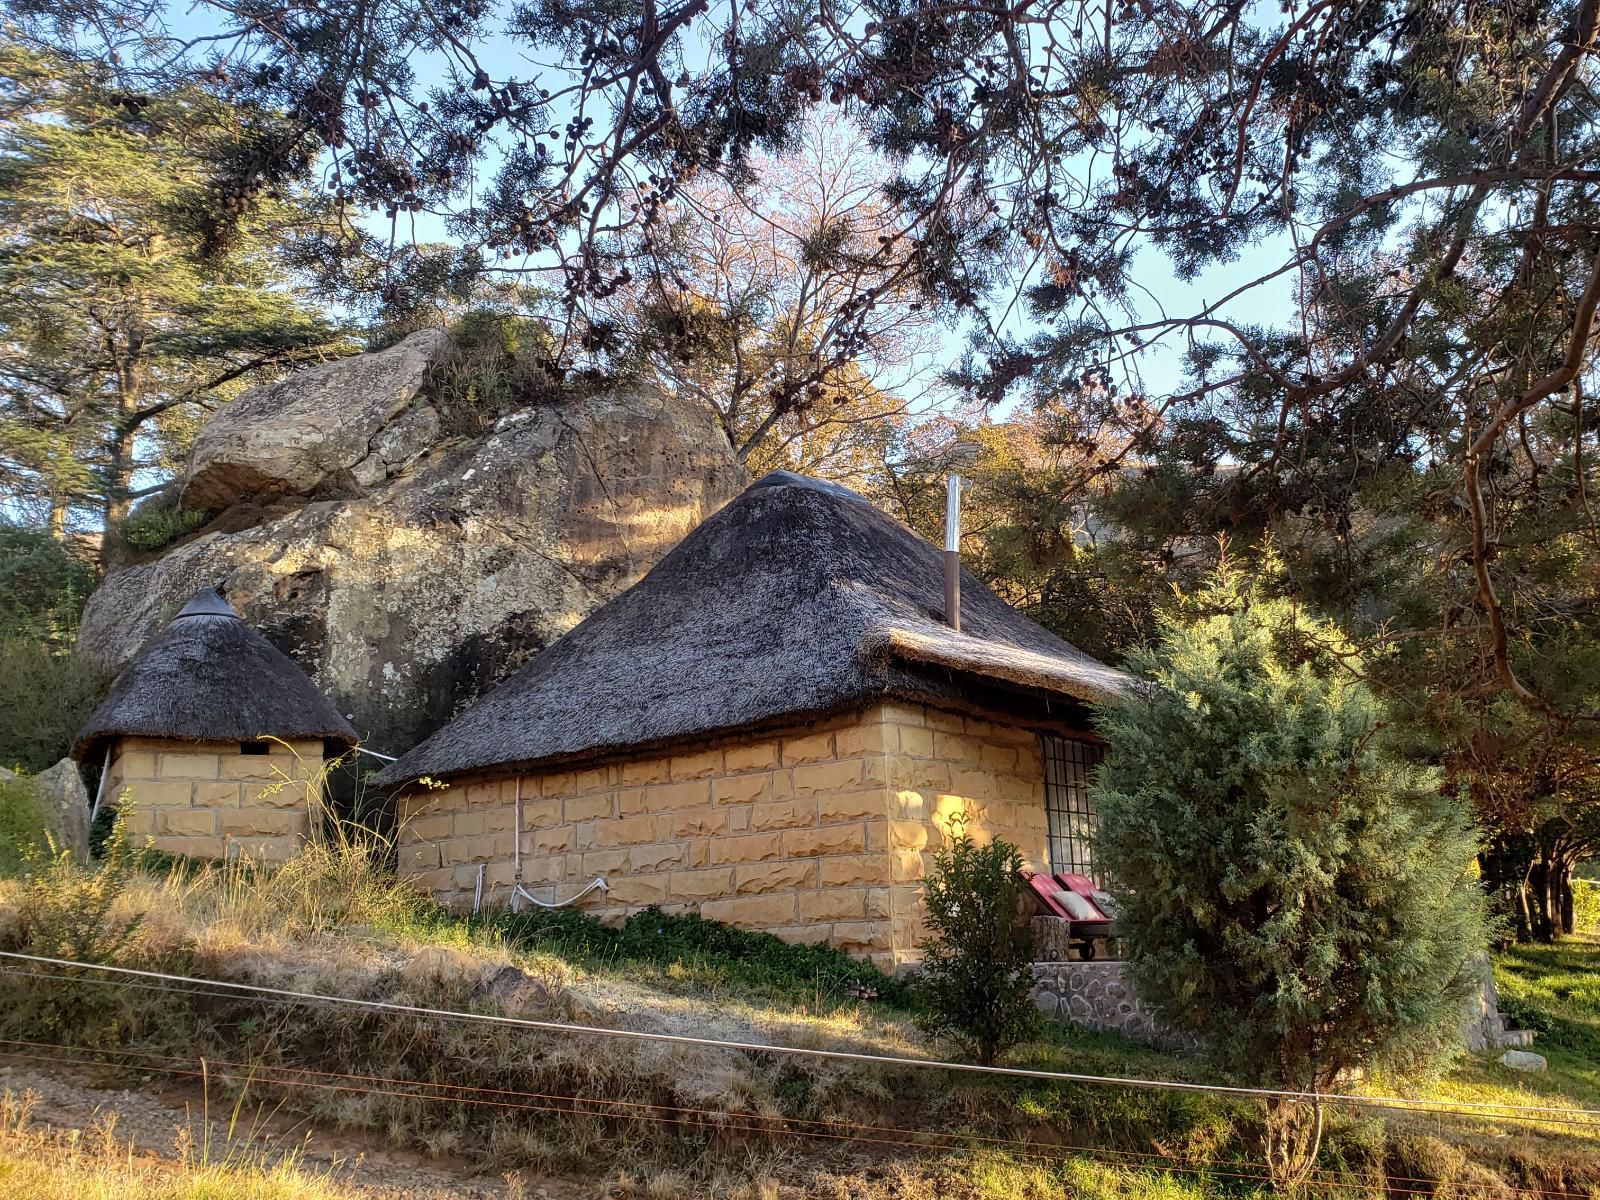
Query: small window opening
pixel 1068 810
pixel 257 747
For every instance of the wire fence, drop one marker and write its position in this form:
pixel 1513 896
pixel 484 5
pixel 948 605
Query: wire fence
pixel 731 1122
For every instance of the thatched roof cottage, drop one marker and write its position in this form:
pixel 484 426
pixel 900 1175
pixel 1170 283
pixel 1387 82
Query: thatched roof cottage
pixel 216 738
pixel 774 726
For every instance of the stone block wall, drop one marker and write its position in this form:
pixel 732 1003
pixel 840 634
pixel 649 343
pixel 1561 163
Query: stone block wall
pixel 1095 995
pixel 785 832
pixel 820 832
pixel 944 767
pixel 207 800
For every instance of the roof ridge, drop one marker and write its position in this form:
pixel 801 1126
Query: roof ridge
pixel 797 597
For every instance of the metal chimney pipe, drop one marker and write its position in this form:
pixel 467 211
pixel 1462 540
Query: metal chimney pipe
pixel 952 551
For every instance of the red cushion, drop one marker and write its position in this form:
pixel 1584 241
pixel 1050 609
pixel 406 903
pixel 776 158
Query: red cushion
pixel 1081 884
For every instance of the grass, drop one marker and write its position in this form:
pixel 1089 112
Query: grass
pixel 335 921
pixel 40 1164
pixel 1555 991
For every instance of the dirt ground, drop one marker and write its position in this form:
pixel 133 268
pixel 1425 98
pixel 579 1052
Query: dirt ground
pixel 161 1124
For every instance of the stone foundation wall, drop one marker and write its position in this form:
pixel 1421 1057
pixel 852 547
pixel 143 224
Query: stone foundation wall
pixel 822 832
pixel 207 800
pixel 1096 995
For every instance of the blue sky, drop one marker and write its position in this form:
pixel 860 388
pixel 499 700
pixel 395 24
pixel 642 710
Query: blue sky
pixel 1159 289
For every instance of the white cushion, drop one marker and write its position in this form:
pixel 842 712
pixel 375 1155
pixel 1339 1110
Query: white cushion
pixel 1077 907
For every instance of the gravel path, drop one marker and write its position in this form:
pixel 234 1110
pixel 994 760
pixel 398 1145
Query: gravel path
pixel 162 1124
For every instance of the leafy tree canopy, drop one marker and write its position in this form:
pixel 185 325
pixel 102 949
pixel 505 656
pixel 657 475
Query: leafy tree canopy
pixel 125 315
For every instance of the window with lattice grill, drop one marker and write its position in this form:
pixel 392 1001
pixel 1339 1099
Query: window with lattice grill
pixel 1068 811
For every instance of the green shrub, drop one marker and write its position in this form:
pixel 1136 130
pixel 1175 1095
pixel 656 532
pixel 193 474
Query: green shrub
pixel 1585 906
pixel 1289 889
pixel 21 823
pixel 497 362
pixel 976 982
pixel 66 911
pixel 154 527
pixel 44 700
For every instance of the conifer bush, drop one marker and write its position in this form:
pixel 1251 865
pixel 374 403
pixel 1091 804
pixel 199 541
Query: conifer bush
pixel 1289 888
pixel 976 982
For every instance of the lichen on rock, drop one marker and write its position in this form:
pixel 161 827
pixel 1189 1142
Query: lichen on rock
pixel 407 570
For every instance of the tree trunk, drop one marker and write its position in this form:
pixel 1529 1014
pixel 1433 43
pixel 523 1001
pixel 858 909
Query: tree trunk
pixel 120 438
pixel 1538 895
pixel 1504 865
pixel 1568 918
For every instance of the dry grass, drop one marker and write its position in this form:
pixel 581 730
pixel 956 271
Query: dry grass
pixel 41 1164
pixel 336 923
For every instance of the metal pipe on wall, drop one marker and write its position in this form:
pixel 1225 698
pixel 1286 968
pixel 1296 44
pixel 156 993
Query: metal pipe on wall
pixel 952 552
pixel 516 843
pixel 100 791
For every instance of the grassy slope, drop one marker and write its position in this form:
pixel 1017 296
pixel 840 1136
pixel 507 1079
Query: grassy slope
pixel 1555 991
pixel 334 925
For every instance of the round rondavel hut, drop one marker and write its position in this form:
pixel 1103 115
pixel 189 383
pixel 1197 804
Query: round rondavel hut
pixel 215 738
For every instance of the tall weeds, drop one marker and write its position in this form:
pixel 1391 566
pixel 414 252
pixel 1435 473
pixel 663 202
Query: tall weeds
pixel 37 1163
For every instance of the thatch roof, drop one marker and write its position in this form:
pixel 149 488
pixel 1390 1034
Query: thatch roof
pixel 210 677
pixel 797 598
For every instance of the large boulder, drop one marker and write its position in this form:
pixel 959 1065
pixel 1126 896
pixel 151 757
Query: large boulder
pixel 64 802
pixel 325 430
pixel 409 571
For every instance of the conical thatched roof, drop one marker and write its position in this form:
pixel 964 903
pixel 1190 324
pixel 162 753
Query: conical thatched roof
pixel 210 677
pixel 797 598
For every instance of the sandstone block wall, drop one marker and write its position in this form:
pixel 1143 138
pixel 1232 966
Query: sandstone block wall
pixel 786 832
pixel 207 800
pixel 986 776
pixel 822 832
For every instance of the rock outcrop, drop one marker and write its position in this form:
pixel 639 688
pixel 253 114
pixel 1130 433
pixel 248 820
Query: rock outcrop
pixel 53 810
pixel 408 571
pixel 65 804
pixel 330 429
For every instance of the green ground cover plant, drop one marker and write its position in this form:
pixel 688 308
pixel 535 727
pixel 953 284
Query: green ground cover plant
pixel 688 946
pixel 337 922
